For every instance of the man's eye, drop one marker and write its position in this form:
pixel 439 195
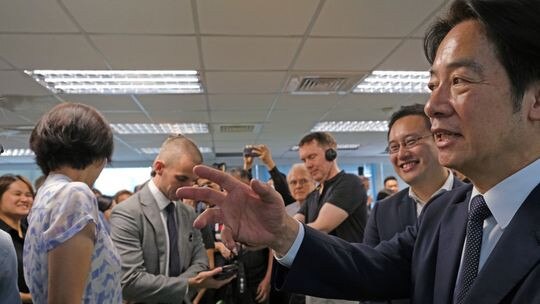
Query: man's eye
pixel 410 142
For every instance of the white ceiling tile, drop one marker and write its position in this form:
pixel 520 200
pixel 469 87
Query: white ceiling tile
pixel 30 108
pixel 409 57
pixel 172 102
pixel 238 116
pixel 133 117
pixel 241 102
pixel 244 82
pixel 49 52
pixel 4 65
pixel 305 117
pixel 421 31
pixel 305 102
pixel 235 53
pixel 332 54
pixel 18 83
pixel 34 16
pixel 133 16
pixel 255 17
pixel 173 116
pixel 105 102
pixel 148 52
pixel 372 18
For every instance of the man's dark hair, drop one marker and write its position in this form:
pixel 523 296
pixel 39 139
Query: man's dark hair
pixel 323 139
pixel 390 177
pixel 511 25
pixel 73 135
pixel 414 109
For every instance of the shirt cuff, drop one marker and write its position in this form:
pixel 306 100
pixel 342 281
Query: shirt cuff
pixel 288 258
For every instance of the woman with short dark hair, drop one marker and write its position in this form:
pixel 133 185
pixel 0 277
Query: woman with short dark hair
pixel 16 198
pixel 68 255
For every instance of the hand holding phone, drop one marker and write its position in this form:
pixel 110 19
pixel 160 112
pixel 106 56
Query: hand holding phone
pixel 250 151
pixel 227 271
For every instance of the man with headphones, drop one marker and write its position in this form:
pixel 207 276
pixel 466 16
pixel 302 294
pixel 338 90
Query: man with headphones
pixel 338 205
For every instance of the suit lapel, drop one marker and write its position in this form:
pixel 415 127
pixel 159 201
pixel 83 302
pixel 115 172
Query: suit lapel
pixel 152 213
pixel 451 238
pixel 516 253
pixel 407 211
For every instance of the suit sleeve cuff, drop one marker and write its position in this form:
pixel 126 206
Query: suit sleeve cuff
pixel 288 258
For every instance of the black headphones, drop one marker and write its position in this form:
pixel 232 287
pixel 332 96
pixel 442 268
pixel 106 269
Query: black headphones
pixel 330 154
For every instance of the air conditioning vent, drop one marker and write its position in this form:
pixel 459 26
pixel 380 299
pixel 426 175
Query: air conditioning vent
pixel 240 128
pixel 323 84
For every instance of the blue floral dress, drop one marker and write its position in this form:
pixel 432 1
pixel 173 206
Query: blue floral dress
pixel 62 208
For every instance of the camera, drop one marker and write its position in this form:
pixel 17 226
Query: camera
pixel 250 151
pixel 227 271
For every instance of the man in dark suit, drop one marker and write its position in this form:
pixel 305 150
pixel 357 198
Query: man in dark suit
pixel 475 244
pixel 414 155
pixel 155 266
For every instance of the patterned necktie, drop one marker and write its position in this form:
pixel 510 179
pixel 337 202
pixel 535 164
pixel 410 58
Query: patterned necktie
pixel 477 214
pixel 174 255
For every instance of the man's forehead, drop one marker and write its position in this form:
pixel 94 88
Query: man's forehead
pixel 408 125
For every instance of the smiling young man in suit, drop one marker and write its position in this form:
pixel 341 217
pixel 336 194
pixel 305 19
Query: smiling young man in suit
pixel 152 270
pixel 475 244
pixel 414 155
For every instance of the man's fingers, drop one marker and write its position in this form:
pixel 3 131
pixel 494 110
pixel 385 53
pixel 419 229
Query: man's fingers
pixel 225 180
pixel 228 239
pixel 266 193
pixel 209 216
pixel 204 194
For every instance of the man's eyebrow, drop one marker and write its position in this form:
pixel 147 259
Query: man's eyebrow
pixel 468 63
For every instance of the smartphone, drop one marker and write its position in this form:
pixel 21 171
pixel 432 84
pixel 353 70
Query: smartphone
pixel 227 271
pixel 249 151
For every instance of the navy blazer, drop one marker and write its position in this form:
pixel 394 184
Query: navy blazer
pixel 392 215
pixel 422 262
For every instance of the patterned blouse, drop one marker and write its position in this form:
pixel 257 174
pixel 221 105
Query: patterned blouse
pixel 62 208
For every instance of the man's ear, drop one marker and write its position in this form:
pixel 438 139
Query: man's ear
pixel 534 106
pixel 158 166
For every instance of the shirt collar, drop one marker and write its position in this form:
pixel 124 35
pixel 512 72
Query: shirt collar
pixel 161 199
pixel 447 186
pixel 505 198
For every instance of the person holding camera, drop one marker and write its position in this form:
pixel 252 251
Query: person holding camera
pixel 279 179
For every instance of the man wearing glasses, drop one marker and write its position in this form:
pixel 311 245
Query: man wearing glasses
pixel 414 155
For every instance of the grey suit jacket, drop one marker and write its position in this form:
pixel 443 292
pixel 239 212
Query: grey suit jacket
pixel 139 235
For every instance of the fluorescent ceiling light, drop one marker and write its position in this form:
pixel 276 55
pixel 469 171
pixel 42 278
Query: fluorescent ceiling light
pixel 118 81
pixel 164 128
pixel 394 82
pixel 351 126
pixel 339 147
pixel 18 152
pixel 156 150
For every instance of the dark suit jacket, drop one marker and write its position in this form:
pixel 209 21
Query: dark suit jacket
pixel 422 262
pixel 393 215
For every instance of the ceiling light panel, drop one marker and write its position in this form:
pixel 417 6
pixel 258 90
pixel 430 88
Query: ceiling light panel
pixel 17 152
pixel 351 126
pixel 164 128
pixel 156 150
pixel 394 82
pixel 119 81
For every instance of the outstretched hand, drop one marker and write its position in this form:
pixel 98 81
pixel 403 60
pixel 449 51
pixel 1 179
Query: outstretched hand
pixel 254 215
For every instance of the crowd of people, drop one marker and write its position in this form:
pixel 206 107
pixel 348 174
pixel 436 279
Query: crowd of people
pixel 470 158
